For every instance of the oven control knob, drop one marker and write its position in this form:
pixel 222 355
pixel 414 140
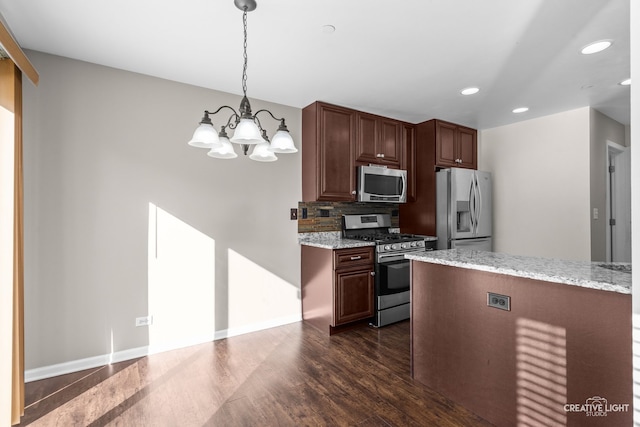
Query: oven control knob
pixel 421 243
pixel 405 245
pixel 395 246
pixel 387 247
pixel 414 244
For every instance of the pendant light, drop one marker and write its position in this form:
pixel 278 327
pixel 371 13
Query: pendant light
pixel 246 125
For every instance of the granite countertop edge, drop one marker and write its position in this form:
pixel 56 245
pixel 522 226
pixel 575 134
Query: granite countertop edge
pixel 334 240
pixel 330 240
pixel 529 267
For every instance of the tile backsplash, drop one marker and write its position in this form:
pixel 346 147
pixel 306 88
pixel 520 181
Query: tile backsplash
pixel 327 216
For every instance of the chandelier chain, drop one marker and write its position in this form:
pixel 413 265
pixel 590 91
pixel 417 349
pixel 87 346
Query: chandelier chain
pixel 244 68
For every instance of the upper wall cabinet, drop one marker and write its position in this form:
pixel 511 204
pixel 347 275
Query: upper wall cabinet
pixel 436 144
pixel 456 146
pixel 328 153
pixel 378 140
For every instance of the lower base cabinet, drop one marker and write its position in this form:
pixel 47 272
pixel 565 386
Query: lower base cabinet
pixel 337 286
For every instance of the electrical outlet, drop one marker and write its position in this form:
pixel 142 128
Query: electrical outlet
pixel 294 214
pixel 144 321
pixel 304 213
pixel 503 302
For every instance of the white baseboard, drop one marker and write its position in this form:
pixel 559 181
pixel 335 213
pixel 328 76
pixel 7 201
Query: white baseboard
pixel 133 353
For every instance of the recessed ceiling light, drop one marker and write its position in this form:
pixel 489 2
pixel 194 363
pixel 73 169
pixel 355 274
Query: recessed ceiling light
pixel 328 29
pixel 470 91
pixel 625 82
pixel 596 47
pixel 520 110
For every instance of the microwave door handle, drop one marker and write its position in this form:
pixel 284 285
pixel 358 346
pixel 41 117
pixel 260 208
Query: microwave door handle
pixel 404 184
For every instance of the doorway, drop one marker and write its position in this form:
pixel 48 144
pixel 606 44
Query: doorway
pixel 618 203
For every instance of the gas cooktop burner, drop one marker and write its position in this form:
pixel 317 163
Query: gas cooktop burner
pixel 376 228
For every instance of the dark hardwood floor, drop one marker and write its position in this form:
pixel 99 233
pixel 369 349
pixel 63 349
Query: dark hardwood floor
pixel 291 375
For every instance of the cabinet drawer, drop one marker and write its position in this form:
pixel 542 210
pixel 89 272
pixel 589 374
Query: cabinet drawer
pixel 345 258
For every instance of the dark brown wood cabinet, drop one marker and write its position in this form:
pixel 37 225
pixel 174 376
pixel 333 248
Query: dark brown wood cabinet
pixel 455 145
pixel 337 286
pixel 353 285
pixel 328 153
pixel 336 140
pixel 378 140
pixel 408 162
pixel 438 144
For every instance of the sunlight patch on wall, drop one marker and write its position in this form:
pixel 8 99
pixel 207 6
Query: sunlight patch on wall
pixel 256 295
pixel 541 374
pixel 181 296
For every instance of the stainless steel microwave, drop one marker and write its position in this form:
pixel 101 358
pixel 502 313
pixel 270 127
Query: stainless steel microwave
pixel 382 184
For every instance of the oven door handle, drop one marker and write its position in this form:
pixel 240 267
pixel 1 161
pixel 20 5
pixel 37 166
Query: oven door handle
pixel 396 257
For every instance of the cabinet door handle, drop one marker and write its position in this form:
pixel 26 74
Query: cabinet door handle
pixel 354 258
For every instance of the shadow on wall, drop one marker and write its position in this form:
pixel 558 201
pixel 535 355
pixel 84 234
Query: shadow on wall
pixel 186 272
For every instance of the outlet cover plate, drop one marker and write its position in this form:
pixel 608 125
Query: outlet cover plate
pixel 503 302
pixel 144 321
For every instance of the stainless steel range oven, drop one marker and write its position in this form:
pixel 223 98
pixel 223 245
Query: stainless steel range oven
pixel 392 272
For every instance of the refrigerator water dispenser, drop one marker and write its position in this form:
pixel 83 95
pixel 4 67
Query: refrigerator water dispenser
pixel 463 216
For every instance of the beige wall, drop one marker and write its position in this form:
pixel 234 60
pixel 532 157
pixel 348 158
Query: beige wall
pixel 123 219
pixel 540 172
pixel 602 129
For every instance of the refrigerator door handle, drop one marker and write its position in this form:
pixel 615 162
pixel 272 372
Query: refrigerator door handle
pixel 478 204
pixel 474 206
pixel 471 208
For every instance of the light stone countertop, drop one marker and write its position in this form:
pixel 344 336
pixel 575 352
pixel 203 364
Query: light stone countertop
pixel 614 277
pixel 334 240
pixel 330 240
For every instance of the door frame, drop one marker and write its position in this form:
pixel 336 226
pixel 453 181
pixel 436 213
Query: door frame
pixel 613 150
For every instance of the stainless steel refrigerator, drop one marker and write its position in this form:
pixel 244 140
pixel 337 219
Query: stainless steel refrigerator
pixel 463 209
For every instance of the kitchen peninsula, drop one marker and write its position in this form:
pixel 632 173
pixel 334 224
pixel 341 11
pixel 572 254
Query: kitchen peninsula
pixel 559 341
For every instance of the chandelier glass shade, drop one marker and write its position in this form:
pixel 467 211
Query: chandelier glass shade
pixel 224 149
pixel 261 152
pixel 247 128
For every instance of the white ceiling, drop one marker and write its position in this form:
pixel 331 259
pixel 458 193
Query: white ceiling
pixel 403 59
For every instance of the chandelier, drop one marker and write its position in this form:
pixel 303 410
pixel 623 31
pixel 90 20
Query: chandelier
pixel 246 126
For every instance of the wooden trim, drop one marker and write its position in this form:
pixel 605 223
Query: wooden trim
pixel 16 54
pixel 11 99
pixel 17 401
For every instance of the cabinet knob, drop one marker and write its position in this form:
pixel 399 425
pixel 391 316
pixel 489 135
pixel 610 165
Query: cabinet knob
pixel 380 155
pixel 373 273
pixel 353 192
